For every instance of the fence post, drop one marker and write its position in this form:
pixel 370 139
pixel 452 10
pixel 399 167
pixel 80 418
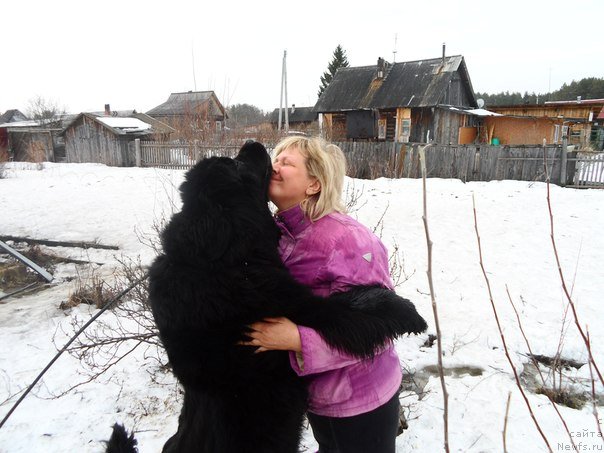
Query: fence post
pixel 137 151
pixel 564 161
pixel 476 167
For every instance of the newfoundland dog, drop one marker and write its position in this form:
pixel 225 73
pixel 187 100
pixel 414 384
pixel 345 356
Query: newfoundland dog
pixel 220 271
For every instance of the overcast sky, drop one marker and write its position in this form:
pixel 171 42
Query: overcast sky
pixel 132 54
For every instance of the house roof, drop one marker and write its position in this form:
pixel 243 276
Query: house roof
pixel 186 103
pixel 420 83
pixel 575 102
pixel 296 115
pixel 134 124
pixel 12 116
pixel 57 123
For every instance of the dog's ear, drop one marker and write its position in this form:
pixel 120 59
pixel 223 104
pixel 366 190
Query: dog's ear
pixel 206 193
pixel 204 238
pixel 218 233
pixel 211 180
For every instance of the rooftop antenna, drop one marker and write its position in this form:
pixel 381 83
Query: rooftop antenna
pixel 394 51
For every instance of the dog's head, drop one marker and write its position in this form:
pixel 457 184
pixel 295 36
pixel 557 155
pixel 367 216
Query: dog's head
pixel 224 202
pixel 225 182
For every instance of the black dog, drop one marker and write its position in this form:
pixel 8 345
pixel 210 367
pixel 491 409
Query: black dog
pixel 220 272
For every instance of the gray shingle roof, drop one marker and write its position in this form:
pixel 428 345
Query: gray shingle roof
pixel 184 103
pixel 420 83
pixel 299 115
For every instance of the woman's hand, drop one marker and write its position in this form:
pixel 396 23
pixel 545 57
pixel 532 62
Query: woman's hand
pixel 274 334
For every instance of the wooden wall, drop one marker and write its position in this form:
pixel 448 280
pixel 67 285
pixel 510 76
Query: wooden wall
pixel 89 141
pixel 31 146
pixel 521 131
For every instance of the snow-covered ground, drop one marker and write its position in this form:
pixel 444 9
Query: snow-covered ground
pixel 119 206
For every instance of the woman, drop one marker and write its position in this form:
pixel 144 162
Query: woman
pixel 353 403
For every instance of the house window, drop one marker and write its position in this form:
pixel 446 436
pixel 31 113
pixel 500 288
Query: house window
pixel 405 129
pixel 218 126
pixel 382 129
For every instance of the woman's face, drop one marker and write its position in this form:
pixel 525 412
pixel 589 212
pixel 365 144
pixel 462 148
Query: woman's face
pixel 290 182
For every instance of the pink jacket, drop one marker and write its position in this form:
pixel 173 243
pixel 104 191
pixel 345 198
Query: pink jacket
pixel 330 255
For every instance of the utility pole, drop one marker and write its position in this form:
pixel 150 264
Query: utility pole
pixel 283 93
pixel 193 64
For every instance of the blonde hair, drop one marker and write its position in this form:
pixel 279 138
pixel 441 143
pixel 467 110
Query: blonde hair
pixel 327 163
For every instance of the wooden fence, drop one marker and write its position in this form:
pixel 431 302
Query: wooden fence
pixel 589 170
pixel 370 160
pixel 178 155
pixel 465 162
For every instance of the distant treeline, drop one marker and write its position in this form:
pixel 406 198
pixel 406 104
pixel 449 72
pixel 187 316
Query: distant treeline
pixel 588 88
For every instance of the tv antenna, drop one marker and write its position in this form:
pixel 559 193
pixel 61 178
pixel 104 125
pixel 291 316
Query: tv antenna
pixel 394 51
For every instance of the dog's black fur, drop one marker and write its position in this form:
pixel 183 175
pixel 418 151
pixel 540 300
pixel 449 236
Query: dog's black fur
pixel 220 272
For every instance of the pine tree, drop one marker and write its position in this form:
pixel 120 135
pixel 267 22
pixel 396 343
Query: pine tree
pixel 339 60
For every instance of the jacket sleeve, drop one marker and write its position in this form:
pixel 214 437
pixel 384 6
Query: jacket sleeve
pixel 317 356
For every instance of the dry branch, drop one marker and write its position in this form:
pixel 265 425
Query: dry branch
pixel 433 298
pixel 593 395
pixel 505 423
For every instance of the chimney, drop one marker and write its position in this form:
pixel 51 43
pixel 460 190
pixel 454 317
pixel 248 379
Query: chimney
pixel 444 53
pixel 107 110
pixel 381 68
pixel 293 109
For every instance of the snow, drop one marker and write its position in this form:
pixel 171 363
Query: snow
pixel 477 112
pixel 119 206
pixel 482 112
pixel 26 123
pixel 124 123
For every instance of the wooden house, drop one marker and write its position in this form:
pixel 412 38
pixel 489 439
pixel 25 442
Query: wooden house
pixel 299 118
pixel 191 111
pixel 580 120
pixel 108 137
pixel 405 102
pixel 12 116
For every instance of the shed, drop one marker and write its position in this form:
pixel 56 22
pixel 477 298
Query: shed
pixel 108 139
pixel 405 101
pixel 32 140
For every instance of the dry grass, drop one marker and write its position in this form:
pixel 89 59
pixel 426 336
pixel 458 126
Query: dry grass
pixel 92 292
pixel 564 397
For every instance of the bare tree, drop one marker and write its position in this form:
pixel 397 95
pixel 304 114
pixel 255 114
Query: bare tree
pixel 46 111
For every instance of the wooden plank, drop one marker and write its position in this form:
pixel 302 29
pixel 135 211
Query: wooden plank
pixel 40 270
